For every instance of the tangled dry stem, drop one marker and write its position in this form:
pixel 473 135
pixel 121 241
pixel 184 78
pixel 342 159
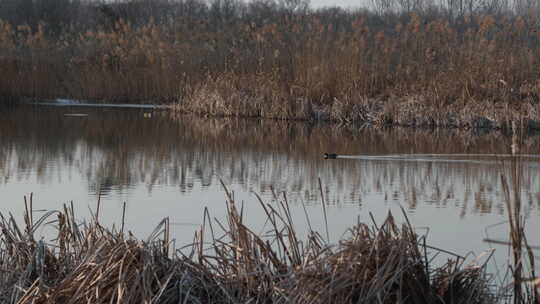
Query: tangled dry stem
pixel 416 69
pixel 88 263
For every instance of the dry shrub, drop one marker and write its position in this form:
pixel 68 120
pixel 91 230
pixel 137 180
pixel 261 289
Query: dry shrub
pixel 309 64
pixel 248 96
pixel 89 263
pixel 385 264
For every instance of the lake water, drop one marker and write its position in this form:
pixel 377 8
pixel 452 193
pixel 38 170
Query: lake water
pixel 162 166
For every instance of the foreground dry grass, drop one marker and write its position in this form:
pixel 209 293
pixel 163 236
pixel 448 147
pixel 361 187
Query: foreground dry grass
pixel 417 69
pixel 88 263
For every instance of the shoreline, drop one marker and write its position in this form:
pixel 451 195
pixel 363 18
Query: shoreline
pixel 371 112
pixel 411 69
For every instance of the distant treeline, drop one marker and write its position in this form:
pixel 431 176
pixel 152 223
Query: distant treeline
pixel 84 14
pixel 470 63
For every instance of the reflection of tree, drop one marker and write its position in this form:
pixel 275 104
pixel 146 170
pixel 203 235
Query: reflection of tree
pixel 114 150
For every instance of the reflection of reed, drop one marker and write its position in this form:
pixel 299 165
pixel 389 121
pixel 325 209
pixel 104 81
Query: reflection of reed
pixel 113 150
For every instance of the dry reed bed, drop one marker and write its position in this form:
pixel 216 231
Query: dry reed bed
pixel 417 69
pixel 88 263
pixel 525 283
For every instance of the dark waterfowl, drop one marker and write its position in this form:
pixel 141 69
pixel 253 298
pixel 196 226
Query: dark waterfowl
pixel 330 155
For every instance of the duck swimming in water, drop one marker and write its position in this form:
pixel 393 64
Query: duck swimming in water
pixel 330 155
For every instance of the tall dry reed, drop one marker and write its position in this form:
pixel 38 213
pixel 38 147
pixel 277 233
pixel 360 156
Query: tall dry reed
pixel 522 268
pixel 419 68
pixel 86 262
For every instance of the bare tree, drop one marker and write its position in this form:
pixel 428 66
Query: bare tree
pixel 382 7
pixel 294 5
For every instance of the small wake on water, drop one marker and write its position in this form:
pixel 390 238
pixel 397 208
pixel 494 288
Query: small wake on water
pixel 531 160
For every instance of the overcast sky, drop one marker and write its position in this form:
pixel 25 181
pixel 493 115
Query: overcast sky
pixel 340 3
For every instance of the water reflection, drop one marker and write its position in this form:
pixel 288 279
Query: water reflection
pixel 114 151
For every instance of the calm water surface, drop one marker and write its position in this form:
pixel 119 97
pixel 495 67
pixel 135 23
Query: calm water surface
pixel 165 167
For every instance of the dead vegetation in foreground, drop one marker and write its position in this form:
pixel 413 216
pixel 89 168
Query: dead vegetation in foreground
pixel 88 263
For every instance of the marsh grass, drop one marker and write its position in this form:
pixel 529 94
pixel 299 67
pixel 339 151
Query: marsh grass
pixel 227 263
pixel 416 69
pixel 522 266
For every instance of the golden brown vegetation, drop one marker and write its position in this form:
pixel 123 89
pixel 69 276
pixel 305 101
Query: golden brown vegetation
pixel 89 263
pixel 417 69
pixel 523 270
